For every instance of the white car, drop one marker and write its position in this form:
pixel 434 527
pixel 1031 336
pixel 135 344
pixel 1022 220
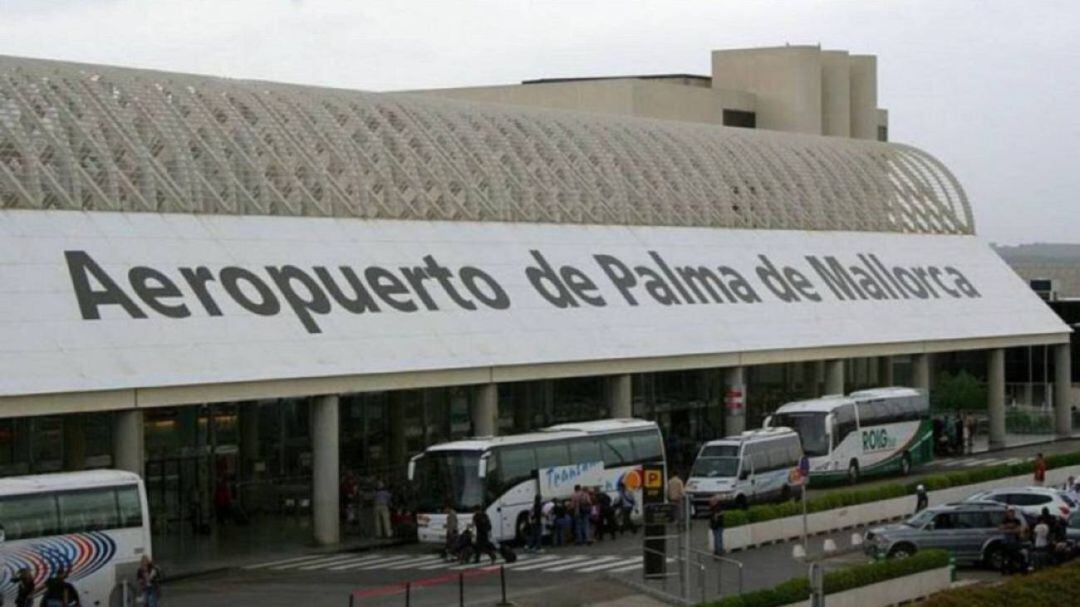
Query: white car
pixel 1030 500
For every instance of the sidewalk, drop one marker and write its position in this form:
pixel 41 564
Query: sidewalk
pixel 182 554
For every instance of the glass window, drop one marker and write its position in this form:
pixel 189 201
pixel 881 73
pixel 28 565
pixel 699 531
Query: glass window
pixel 811 430
pixel 93 510
pixel 448 477
pixel 130 506
pixel 972 520
pixel 583 451
pixel 617 451
pixel 516 464
pixel 720 451
pixel 28 516
pixel 647 447
pixel 945 520
pixel 997 517
pixel 551 454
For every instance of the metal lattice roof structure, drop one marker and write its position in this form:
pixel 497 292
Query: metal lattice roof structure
pixel 87 137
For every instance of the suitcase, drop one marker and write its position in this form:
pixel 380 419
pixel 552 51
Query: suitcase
pixel 507 553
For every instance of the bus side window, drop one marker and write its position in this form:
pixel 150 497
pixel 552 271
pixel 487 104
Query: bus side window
pixel 647 447
pixel 617 451
pixel 845 422
pixel 130 506
pixel 517 465
pixel 551 455
pixel 29 516
pixel 90 510
pixel 584 450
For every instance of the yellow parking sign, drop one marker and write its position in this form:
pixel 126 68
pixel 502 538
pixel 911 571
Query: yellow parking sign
pixel 654 479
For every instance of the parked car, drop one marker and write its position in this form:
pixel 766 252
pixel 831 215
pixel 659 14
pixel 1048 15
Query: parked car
pixel 1030 500
pixel 970 530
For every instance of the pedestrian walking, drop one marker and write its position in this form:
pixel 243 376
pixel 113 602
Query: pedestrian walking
pixel 607 524
pixel 581 509
pixel 381 500
pixel 24 593
pixel 626 504
pixel 59 592
pixel 922 500
pixel 716 524
pixel 969 432
pixel 482 523
pixel 149 577
pixel 675 493
pixel 451 528
pixel 536 526
pixel 958 424
pixel 1040 470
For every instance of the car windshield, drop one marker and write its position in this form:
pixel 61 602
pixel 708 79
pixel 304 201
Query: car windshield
pixel 448 477
pixel 715 467
pixel 811 430
pixel 920 519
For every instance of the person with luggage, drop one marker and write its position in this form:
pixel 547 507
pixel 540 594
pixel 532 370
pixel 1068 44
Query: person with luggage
pixel 451 529
pixel 626 503
pixel 483 545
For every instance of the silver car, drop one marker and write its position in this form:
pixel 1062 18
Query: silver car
pixel 969 530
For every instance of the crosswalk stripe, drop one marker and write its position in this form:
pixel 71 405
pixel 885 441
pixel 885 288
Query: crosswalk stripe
pixel 591 561
pixel 637 565
pixel 295 559
pixel 358 562
pixel 379 564
pixel 424 560
pixel 533 561
pixel 325 562
pixel 619 563
pixel 307 561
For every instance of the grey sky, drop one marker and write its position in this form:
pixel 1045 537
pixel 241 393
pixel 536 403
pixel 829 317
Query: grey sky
pixel 990 88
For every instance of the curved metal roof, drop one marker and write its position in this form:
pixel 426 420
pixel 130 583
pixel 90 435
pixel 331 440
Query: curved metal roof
pixel 88 137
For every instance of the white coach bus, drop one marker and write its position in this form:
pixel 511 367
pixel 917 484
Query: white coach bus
pixel 503 474
pixel 865 433
pixel 93 524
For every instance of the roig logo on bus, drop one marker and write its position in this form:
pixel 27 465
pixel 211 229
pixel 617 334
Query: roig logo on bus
pixel 877 440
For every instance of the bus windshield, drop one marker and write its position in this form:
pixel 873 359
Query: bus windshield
pixel 449 477
pixel 811 430
pixel 715 467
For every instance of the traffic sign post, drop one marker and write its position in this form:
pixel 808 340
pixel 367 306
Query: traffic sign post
pixel 802 476
pixel 657 514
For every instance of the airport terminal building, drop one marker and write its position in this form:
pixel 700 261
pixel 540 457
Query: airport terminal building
pixel 206 279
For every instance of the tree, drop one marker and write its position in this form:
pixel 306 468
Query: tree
pixel 960 391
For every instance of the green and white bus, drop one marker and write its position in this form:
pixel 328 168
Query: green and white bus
pixel 865 433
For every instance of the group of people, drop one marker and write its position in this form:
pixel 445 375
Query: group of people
pixel 587 516
pixel 472 541
pixel 389 517
pixel 1046 540
pixel 954 434
pixel 59 592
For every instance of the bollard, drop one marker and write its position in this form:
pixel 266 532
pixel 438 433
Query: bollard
pixel 952 568
pixel 502 584
pixel 352 599
pixel 408 593
pixel 461 589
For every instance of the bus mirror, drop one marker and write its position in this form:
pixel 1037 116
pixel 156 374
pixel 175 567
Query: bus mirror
pixel 412 470
pixel 3 534
pixel 481 467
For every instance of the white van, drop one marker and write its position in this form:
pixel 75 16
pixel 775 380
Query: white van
pixel 751 467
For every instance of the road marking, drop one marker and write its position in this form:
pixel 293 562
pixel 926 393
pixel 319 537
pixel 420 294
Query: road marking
pixel 325 562
pixel 619 563
pixel 564 567
pixel 485 561
pixel 637 565
pixel 359 562
pixel 533 561
pixel 568 563
pixel 379 564
pixel 295 559
pixel 424 560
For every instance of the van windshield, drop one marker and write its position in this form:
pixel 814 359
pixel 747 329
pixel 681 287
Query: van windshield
pixel 715 467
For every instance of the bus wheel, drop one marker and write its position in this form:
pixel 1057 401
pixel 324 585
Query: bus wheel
pixel 905 464
pixel 853 472
pixel 521 528
pixel 740 502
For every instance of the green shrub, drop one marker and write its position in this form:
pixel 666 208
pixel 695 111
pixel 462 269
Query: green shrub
pixel 960 391
pixel 798 589
pixel 1052 587
pixel 852 497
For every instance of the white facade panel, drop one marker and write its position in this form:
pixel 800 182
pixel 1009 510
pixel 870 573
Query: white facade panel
pixel 50 342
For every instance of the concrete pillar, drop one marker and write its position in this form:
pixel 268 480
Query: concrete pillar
pixel 128 450
pixel 485 409
pixel 734 400
pixel 995 379
pixel 885 371
pixel 325 466
pixel 1062 387
pixel 620 396
pixel 920 371
pixel 834 376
